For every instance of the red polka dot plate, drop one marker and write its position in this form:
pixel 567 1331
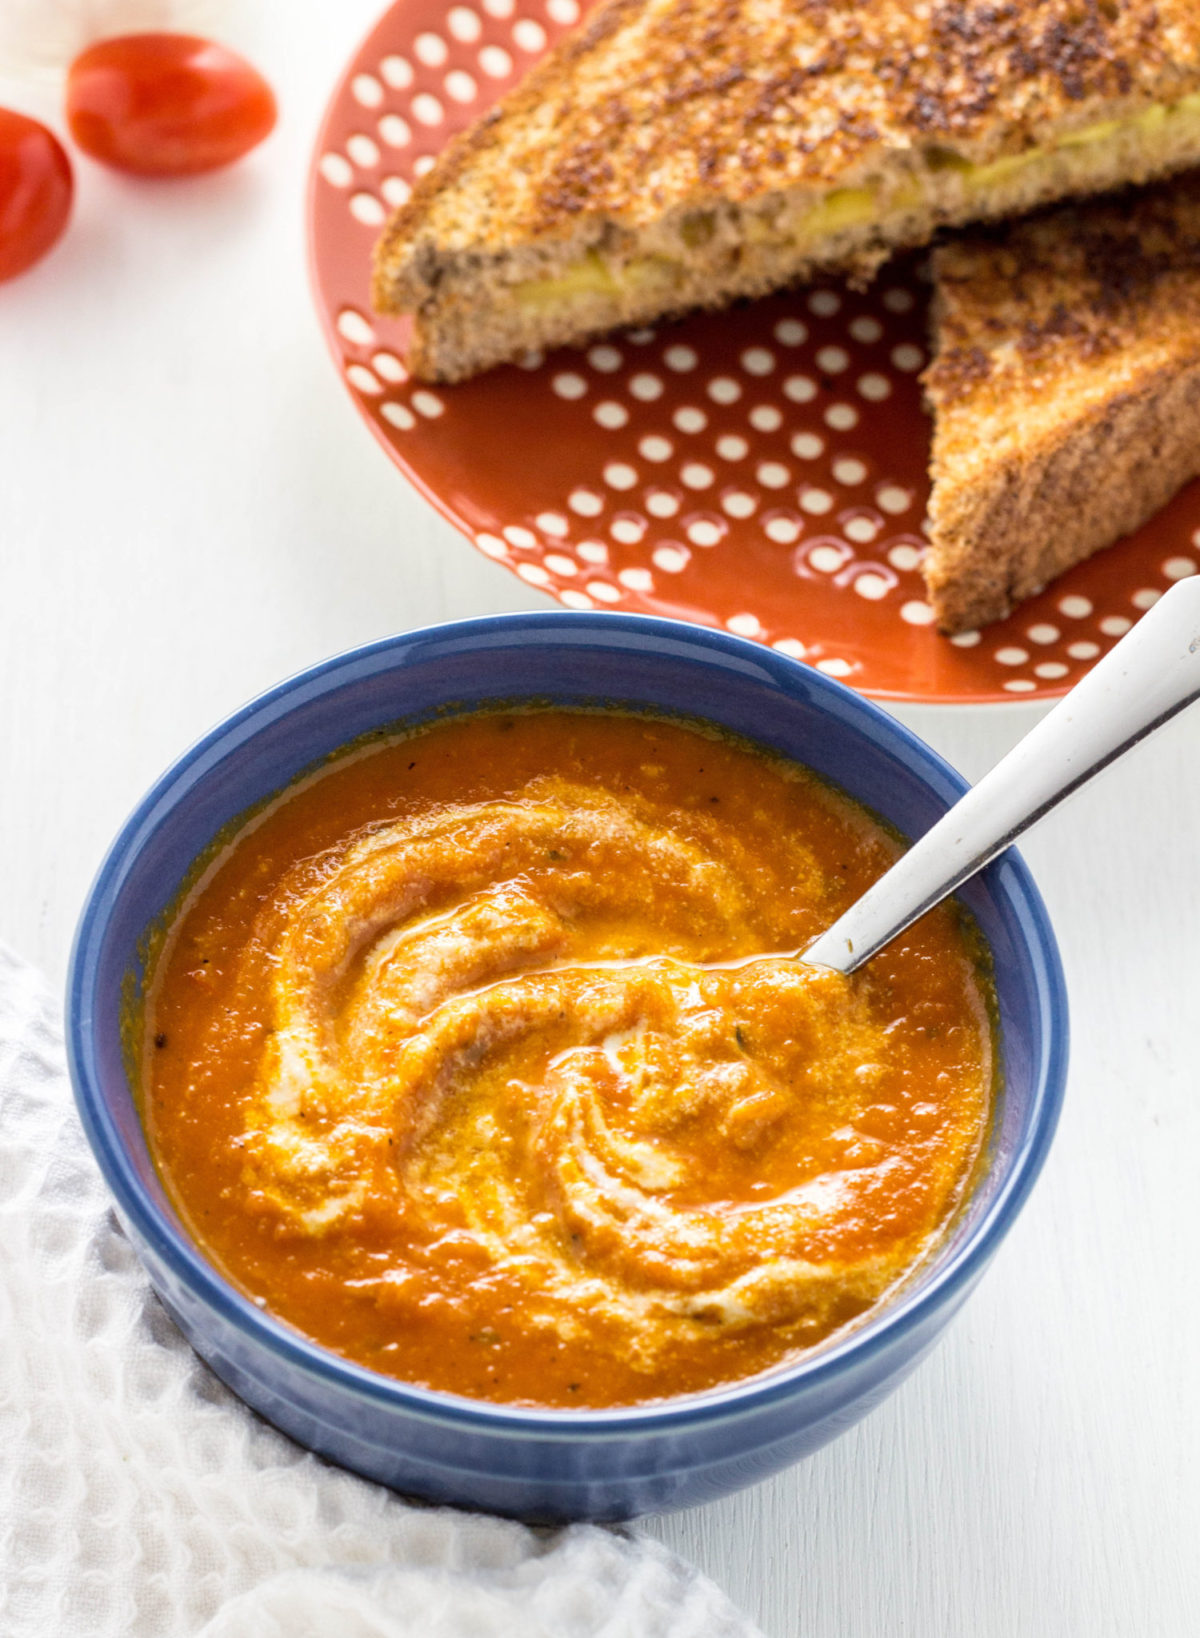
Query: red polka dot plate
pixel 761 469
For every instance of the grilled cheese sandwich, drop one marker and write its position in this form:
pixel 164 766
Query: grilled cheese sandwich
pixel 1065 389
pixel 673 154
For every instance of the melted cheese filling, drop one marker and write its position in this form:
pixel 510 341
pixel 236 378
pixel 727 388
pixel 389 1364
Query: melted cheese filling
pixel 1083 153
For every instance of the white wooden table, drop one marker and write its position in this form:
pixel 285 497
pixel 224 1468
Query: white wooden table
pixel 190 509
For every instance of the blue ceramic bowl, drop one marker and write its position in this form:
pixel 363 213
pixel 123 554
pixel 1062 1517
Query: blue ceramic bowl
pixel 546 1464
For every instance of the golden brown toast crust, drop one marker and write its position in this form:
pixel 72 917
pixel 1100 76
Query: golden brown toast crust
pixel 652 104
pixel 683 149
pixel 1065 389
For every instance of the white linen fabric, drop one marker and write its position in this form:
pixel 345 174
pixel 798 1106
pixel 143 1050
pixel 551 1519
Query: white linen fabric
pixel 140 1499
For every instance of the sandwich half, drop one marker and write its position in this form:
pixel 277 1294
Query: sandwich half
pixel 672 154
pixel 1065 390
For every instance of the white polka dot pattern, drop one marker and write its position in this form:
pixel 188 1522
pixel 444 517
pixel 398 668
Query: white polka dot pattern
pixel 765 467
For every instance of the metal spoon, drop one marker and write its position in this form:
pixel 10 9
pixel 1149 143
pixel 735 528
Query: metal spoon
pixel 1151 674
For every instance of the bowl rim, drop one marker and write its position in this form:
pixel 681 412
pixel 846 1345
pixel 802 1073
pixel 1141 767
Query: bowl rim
pixel 169 1242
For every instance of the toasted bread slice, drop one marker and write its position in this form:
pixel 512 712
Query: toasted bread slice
pixel 1065 389
pixel 680 153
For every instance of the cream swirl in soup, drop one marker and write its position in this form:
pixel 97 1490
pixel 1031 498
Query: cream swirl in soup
pixel 444 1079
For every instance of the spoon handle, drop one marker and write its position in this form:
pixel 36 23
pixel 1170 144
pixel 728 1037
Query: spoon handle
pixel 1152 673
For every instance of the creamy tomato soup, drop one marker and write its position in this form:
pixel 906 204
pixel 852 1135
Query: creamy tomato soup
pixel 435 1072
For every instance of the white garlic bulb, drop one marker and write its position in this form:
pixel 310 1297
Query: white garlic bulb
pixel 41 37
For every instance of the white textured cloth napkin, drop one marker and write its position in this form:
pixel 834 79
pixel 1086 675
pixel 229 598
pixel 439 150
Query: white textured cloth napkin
pixel 140 1499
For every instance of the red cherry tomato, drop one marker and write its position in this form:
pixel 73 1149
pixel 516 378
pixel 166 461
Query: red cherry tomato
pixel 35 192
pixel 166 104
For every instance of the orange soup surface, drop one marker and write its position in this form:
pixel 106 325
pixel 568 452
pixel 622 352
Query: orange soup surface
pixel 434 1070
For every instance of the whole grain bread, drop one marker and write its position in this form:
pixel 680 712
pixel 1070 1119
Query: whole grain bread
pixel 1065 389
pixel 679 153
